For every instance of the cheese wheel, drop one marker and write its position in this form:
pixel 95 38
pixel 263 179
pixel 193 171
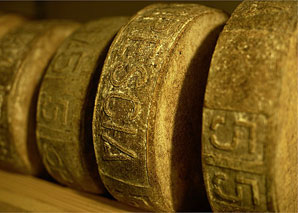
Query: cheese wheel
pixel 250 111
pixel 24 55
pixel 146 125
pixel 66 102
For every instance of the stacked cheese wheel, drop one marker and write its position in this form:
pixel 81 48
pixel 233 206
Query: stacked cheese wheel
pixel 177 108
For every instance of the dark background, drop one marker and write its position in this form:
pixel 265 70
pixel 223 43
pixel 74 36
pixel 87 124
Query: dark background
pixel 89 10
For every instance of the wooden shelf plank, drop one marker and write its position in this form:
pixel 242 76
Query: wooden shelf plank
pixel 26 193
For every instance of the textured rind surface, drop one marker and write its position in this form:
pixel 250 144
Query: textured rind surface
pixel 124 126
pixel 8 22
pixel 66 101
pixel 249 142
pixel 24 54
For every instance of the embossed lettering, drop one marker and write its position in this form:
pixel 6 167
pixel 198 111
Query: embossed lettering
pixel 55 162
pixel 220 178
pixel 123 105
pixel 113 126
pixel 252 134
pixel 66 63
pixel 147 46
pixel 139 201
pixel 54 112
pixel 217 121
pixel 254 188
pixel 121 73
pixel 123 153
pixel 118 106
pixel 220 120
pixel 78 42
pixel 132 68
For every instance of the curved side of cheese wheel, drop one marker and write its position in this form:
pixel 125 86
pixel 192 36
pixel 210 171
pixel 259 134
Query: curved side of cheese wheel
pixel 176 133
pixel 66 101
pixel 245 136
pixel 125 125
pixel 25 67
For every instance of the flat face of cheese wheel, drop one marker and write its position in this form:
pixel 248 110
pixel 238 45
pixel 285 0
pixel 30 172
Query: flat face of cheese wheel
pixel 66 101
pixel 144 140
pixel 24 55
pixel 8 22
pixel 249 141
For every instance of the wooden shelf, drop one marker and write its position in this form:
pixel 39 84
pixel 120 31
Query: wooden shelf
pixel 25 193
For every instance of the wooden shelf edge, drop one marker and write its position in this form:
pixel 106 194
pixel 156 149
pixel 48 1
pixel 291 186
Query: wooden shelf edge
pixel 29 194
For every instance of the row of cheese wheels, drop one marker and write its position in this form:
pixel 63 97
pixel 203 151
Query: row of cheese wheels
pixel 163 110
